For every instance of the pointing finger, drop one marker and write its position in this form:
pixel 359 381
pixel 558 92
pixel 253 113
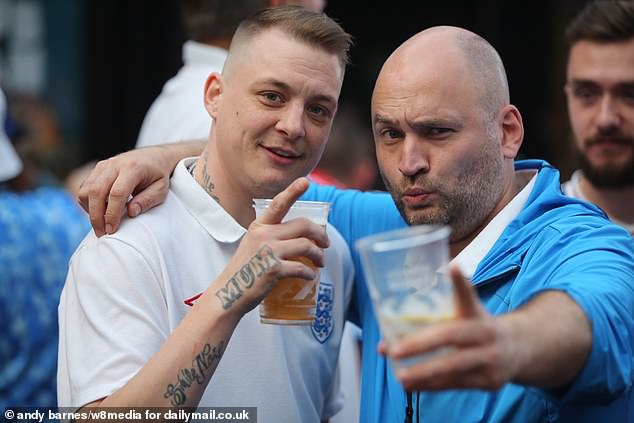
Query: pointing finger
pixel 283 201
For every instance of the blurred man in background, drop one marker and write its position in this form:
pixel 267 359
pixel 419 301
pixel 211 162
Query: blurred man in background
pixel 600 92
pixel 40 227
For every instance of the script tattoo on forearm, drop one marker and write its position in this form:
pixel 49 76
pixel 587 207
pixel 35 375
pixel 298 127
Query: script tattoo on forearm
pixel 202 364
pixel 261 262
pixel 207 184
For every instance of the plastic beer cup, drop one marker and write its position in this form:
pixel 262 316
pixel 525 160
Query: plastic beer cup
pixel 406 273
pixel 292 301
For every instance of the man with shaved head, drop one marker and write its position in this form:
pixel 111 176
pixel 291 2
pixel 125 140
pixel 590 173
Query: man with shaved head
pixel 544 283
pixel 545 314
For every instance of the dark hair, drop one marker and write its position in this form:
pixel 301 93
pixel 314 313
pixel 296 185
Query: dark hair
pixel 603 21
pixel 314 28
pixel 205 20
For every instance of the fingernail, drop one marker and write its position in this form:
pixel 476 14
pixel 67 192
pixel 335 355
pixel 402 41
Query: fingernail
pixel 135 210
pixel 108 228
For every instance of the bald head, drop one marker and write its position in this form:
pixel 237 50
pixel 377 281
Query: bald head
pixel 451 55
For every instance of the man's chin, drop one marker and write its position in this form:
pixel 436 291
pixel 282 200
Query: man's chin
pixel 421 216
pixel 609 175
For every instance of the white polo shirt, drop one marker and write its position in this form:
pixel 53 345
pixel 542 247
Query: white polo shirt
pixel 125 294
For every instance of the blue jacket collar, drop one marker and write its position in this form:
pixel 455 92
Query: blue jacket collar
pixel 545 204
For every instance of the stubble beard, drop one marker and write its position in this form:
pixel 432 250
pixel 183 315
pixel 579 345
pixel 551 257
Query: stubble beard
pixel 464 204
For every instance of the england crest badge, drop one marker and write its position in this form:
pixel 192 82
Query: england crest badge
pixel 323 324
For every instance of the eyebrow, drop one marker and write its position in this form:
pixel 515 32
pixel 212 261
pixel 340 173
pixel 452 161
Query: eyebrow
pixel 419 125
pixel 283 86
pixel 379 119
pixel 590 82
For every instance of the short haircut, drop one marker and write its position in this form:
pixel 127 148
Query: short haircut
pixel 313 28
pixel 207 20
pixel 602 21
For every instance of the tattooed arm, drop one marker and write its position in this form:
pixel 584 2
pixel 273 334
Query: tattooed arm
pixel 179 372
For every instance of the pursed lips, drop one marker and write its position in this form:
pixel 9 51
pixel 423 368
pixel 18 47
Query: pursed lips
pixel 416 196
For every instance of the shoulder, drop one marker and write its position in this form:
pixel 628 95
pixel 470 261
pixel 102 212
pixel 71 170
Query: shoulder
pixel 145 236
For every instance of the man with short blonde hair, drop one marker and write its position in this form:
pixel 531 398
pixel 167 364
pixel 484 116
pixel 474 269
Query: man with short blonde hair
pixel 129 295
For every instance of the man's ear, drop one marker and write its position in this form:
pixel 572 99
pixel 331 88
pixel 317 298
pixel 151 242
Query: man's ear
pixel 512 131
pixel 214 86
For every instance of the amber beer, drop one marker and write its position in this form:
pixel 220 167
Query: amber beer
pixel 293 300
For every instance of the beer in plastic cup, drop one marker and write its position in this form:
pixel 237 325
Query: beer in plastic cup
pixel 406 274
pixel 292 301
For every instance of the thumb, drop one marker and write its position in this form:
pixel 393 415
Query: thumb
pixel 150 197
pixel 465 296
pixel 283 201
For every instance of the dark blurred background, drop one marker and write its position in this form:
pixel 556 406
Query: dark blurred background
pixel 88 70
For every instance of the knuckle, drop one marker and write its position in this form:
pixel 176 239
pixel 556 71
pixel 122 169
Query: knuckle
pixel 101 164
pixel 118 193
pixel 257 232
pixel 302 269
pixel 94 190
pixel 277 207
pixel 109 216
pixel 307 246
pixel 163 184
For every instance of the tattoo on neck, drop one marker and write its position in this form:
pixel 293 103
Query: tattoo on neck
pixel 206 183
pixel 202 365
pixel 261 262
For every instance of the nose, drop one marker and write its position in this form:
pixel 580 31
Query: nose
pixel 414 158
pixel 608 113
pixel 291 121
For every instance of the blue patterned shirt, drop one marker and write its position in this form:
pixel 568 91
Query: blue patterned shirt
pixel 39 231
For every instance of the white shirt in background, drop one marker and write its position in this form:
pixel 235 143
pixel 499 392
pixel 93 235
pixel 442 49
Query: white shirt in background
pixel 178 113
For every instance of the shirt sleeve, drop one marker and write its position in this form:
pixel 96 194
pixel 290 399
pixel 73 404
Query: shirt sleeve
pixel 112 318
pixel 595 267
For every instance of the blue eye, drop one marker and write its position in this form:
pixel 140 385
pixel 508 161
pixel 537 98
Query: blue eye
pixel 272 97
pixel 391 133
pixel 318 110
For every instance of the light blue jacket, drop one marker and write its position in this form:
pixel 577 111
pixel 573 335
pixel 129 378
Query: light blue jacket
pixel 556 243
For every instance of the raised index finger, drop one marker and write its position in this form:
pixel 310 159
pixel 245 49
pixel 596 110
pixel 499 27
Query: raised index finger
pixel 283 201
pixel 468 304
